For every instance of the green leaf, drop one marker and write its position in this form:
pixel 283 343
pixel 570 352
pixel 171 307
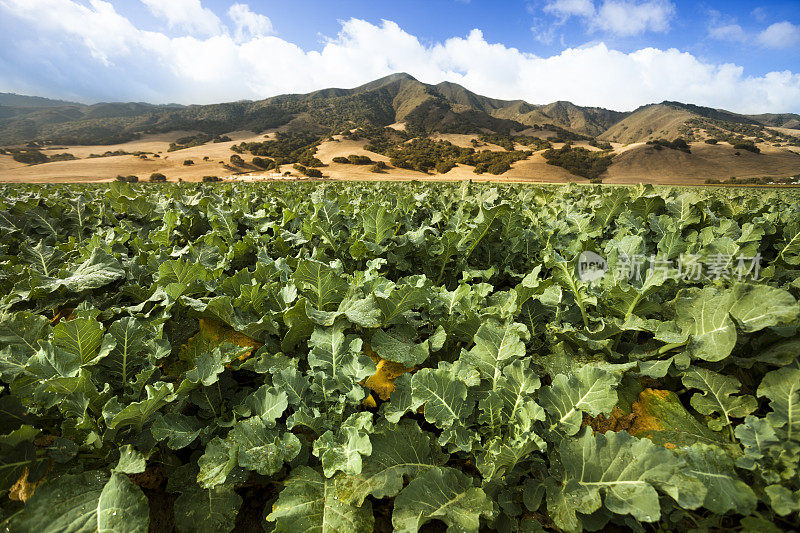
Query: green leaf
pixel 50 362
pixel 378 223
pixel 42 258
pixel 783 500
pixel 401 399
pixel 782 387
pixel 398 450
pixel 130 461
pixel 180 272
pixel 620 472
pixel 726 491
pixel 756 307
pixel 180 430
pixel 704 314
pixel 215 509
pixel 444 395
pixel 137 414
pixel 482 223
pixel 790 252
pixel 756 436
pixel 564 275
pixel 717 396
pixel 19 337
pixel 396 303
pixel 591 390
pixel 339 356
pixel 267 403
pixel 86 502
pixel 97 271
pixel 260 448
pixel 132 346
pixel 219 458
pixel 324 287
pixel 308 502
pixel 441 494
pixel 208 365
pixel 343 450
pixel 495 347
pixel 398 345
pixel 84 338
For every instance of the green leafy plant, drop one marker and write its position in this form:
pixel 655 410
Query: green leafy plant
pixel 362 357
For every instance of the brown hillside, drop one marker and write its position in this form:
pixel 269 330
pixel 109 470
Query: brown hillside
pixel 656 121
pixel 644 163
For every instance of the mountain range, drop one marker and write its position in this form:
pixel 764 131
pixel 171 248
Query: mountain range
pixel 399 98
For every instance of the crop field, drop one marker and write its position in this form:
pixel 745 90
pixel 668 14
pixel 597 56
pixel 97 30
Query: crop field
pixel 351 357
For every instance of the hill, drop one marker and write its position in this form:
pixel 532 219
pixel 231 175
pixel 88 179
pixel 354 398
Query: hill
pixel 424 108
pixel 401 123
pixel 21 100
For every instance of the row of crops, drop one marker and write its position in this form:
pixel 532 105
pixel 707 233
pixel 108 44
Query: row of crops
pixel 365 357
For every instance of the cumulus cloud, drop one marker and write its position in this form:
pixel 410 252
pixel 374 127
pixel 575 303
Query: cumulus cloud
pixel 248 24
pixel 119 61
pixel 780 35
pixel 623 18
pixel 631 18
pixel 728 32
pixel 188 15
pixel 571 8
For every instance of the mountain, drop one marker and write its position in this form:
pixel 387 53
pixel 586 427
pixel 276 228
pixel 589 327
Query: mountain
pixel 424 108
pixel 21 100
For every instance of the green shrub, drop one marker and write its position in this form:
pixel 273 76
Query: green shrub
pixel 188 162
pixel 30 157
pixel 237 160
pixel 711 141
pixel 158 177
pixel 379 168
pixel 747 145
pixel 128 179
pixel 211 179
pixel 62 157
pixel 443 167
pixel 579 161
pixel 310 172
pixel 498 167
pixel 359 159
pixel 263 162
pixel 286 148
pixel 677 144
pixel 196 140
pixel 601 144
pixel 342 160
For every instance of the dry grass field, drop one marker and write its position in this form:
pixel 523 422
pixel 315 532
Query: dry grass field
pixel 634 163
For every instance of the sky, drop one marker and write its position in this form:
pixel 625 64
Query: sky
pixel 619 54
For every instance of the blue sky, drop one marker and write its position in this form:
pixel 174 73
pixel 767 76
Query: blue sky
pixel 619 54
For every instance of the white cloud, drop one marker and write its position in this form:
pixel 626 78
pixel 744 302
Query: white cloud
pixel 728 32
pixel 759 13
pixel 571 8
pixel 248 24
pixel 623 18
pixel 626 18
pixel 119 61
pixel 188 15
pixel 780 35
